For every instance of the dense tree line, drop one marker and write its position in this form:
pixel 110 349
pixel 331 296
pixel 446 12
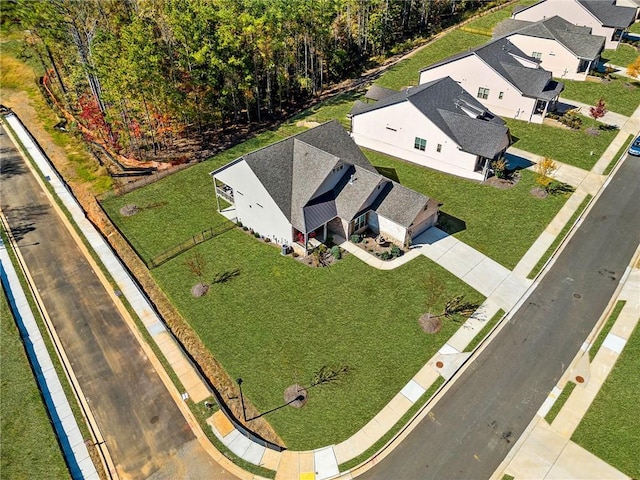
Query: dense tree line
pixel 139 72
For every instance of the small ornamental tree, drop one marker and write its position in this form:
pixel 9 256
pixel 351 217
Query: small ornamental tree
pixel 633 68
pixel 544 169
pixel 196 265
pixel 599 110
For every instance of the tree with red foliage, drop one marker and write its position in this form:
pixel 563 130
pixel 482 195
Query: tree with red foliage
pixel 599 110
pixel 94 119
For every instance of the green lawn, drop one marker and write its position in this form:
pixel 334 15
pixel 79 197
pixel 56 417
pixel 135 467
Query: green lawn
pixel 621 95
pixel 29 448
pixel 574 147
pixel 407 72
pixel 559 403
pixel 279 321
pixel 622 56
pixel 611 427
pixel 635 28
pixel 488 22
pixel 494 219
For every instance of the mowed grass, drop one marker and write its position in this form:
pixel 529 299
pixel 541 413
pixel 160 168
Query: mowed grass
pixel 407 72
pixel 502 224
pixel 29 448
pixel 574 147
pixel 279 321
pixel 489 21
pixel 621 95
pixel 611 427
pixel 622 56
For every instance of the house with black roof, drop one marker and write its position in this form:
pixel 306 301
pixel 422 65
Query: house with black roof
pixel 503 78
pixel 317 184
pixel 604 17
pixel 566 50
pixel 437 124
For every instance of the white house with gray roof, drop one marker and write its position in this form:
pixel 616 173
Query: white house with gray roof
pixel 566 50
pixel 437 125
pixel 318 184
pixel 604 17
pixel 503 78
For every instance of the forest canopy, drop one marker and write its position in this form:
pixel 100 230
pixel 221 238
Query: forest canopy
pixel 140 73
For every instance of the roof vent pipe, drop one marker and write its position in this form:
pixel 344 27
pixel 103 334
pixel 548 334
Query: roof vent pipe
pixel 351 180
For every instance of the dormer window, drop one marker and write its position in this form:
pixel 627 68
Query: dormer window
pixel 537 55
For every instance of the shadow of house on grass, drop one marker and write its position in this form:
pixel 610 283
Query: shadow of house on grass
pixel 516 162
pixel 388 172
pixel 450 224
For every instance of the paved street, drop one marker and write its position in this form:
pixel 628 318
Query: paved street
pixel 144 430
pixel 475 424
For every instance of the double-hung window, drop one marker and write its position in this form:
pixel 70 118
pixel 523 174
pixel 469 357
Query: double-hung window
pixel 360 222
pixel 483 93
pixel 537 55
pixel 420 144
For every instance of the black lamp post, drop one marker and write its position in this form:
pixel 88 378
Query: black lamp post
pixel 244 413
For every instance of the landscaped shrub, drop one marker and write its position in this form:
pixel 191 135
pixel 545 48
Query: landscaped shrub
pixel 385 256
pixel 396 251
pixel 355 238
pixel 571 120
pixel 256 234
pixel 335 251
pixel 239 223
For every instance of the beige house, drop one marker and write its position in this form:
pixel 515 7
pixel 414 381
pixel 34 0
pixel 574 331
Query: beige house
pixel 503 78
pixel 604 17
pixel 437 125
pixel 566 50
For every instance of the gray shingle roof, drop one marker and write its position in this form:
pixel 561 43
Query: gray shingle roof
pixel 444 102
pixel 500 55
pixel 606 11
pixel 293 170
pixel 376 92
pixel 576 39
pixel 400 204
pixel 610 14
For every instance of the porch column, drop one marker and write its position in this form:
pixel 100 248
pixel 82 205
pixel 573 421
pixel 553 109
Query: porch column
pixel 215 190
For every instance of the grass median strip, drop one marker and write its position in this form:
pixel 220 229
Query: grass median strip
pixel 559 403
pixel 559 238
pixel 610 427
pixel 621 151
pixel 484 331
pixel 606 329
pixel 400 424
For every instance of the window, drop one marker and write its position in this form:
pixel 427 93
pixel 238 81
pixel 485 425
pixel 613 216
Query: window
pixel 500 95
pixel 439 148
pixel 420 144
pixel 536 55
pixel 360 222
pixel 483 93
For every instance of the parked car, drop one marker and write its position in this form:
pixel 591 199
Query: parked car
pixel 634 149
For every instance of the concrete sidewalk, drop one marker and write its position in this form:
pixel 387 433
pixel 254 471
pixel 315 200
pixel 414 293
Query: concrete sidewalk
pixel 610 118
pixel 546 451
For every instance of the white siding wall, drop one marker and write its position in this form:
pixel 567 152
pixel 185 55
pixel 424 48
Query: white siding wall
pixel 393 129
pixel 572 12
pixel 555 58
pixel 254 206
pixel 472 73
pixel 391 230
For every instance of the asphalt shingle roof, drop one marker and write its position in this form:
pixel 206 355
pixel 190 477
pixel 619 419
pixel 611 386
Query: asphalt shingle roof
pixel 578 40
pixel 444 101
pixel 610 14
pixel 294 169
pixel 500 55
pixel 606 11
pixel 400 204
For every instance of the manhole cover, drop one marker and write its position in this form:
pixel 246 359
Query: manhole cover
pixel 579 379
pixel 439 364
pixel 577 295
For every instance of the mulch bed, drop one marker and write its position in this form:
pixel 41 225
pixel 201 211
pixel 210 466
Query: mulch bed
pixel 297 395
pixel 503 183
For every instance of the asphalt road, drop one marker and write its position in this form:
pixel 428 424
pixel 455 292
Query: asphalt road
pixel 144 430
pixel 472 428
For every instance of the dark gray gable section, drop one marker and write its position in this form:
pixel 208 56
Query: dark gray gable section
pixel 274 168
pixel 311 166
pixel 509 26
pixel 478 137
pixel 609 14
pixel 353 190
pixel 320 211
pixel 332 138
pixel 376 92
pixel 400 204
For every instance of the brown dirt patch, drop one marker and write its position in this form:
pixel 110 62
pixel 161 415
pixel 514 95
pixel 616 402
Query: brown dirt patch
pixel 297 395
pixel 199 290
pixel 430 323
pixel 502 183
pixel 129 210
pixel 539 192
